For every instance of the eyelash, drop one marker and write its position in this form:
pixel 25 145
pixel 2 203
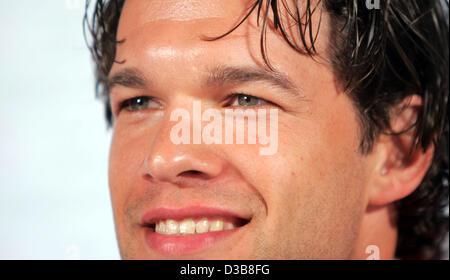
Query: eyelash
pixel 235 96
pixel 126 104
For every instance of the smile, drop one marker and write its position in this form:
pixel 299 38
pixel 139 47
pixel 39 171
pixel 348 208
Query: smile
pixel 187 230
pixel 194 226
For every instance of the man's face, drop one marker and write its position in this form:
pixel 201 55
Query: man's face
pixel 304 201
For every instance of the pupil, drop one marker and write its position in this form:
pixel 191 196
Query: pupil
pixel 245 99
pixel 137 103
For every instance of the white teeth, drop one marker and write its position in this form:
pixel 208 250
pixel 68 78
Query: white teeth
pixel 161 227
pixel 216 225
pixel 189 226
pixel 202 226
pixel 227 226
pixel 172 227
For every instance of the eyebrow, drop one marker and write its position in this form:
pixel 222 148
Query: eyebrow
pixel 128 77
pixel 223 75
pixel 218 76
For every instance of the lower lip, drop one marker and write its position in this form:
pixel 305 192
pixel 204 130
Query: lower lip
pixel 184 244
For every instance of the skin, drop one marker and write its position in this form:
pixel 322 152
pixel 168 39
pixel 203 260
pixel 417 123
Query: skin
pixel 318 197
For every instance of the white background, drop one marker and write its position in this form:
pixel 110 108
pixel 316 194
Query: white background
pixel 54 198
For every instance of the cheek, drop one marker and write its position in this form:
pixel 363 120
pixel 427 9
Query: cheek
pixel 127 152
pixel 314 185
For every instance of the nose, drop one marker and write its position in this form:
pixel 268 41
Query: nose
pixel 169 162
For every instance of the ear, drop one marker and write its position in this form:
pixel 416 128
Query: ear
pixel 399 165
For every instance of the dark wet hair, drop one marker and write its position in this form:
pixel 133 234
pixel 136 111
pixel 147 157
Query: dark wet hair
pixel 380 56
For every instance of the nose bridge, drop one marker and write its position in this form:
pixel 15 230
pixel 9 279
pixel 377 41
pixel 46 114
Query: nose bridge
pixel 169 161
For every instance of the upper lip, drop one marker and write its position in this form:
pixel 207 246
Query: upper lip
pixel 162 213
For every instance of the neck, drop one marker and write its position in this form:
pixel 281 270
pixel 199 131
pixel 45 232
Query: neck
pixel 378 234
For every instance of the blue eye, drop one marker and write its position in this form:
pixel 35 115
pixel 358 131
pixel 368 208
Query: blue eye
pixel 247 100
pixel 138 104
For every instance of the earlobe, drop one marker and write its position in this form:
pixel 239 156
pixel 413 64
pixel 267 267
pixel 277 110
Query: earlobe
pixel 401 165
pixel 398 180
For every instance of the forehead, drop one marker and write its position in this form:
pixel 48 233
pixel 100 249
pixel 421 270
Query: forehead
pixel 170 28
pixel 137 13
pixel 166 35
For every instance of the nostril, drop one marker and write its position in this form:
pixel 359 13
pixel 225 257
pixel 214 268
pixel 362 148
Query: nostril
pixel 193 174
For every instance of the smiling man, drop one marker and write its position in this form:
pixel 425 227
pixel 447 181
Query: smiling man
pixel 360 94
